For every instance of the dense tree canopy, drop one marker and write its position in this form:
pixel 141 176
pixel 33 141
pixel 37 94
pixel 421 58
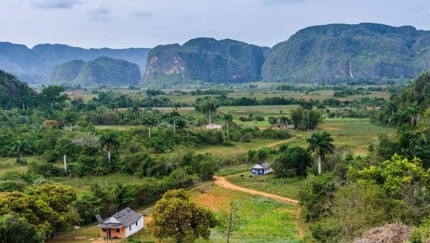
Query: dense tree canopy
pixel 292 162
pixel 176 217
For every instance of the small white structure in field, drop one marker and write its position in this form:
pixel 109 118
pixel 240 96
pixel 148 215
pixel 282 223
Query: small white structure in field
pixel 262 168
pixel 214 126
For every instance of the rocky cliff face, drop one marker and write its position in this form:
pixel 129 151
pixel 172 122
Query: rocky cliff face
pixel 31 64
pixel 349 52
pixel 102 70
pixel 204 59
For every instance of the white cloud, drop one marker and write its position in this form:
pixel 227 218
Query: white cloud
pixel 52 4
pixel 141 14
pixel 101 13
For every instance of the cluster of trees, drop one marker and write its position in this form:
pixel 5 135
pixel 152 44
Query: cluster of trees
pixel 344 203
pixel 346 91
pixel 390 184
pixel 33 210
pixel 305 118
pixel 407 105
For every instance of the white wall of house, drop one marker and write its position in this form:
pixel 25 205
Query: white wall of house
pixel 267 171
pixel 134 228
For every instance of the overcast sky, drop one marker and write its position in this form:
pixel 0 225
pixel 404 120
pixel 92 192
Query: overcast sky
pixel 147 23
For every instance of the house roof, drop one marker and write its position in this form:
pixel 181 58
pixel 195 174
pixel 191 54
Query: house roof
pixel 263 165
pixel 125 217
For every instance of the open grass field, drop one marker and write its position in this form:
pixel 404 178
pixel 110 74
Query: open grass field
pixel 84 183
pixel 286 187
pixel 9 165
pixel 354 134
pixel 239 147
pixel 266 91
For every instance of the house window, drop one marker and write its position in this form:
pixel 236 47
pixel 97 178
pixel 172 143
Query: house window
pixel 129 228
pixel 136 223
pixel 118 230
pixel 104 230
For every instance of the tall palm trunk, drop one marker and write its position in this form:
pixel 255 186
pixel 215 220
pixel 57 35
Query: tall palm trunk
pixel 210 122
pixel 228 137
pixel 149 132
pixel 174 125
pixel 109 155
pixel 319 164
pixel 65 164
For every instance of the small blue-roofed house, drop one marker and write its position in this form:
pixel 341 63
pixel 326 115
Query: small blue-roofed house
pixel 262 168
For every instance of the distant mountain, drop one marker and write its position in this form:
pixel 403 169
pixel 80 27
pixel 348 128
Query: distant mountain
pixel 349 52
pixel 103 70
pixel 204 59
pixel 32 64
pixel 13 91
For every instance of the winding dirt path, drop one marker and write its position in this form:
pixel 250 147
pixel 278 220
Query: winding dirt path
pixel 296 137
pixel 222 182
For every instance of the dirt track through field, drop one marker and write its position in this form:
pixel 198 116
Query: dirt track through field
pixel 222 182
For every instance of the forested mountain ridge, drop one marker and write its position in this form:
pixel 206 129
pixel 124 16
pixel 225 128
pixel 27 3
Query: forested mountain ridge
pixel 31 65
pixel 13 91
pixel 103 70
pixel 349 52
pixel 204 59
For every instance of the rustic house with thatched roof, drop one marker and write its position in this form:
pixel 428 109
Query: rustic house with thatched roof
pixel 121 225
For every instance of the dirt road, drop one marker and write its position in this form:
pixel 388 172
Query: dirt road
pixel 222 182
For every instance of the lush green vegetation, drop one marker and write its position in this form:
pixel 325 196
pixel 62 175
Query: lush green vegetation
pixel 35 64
pixel 216 61
pixel 112 166
pixel 340 52
pixel 101 71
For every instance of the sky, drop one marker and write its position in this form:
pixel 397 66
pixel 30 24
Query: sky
pixel 148 23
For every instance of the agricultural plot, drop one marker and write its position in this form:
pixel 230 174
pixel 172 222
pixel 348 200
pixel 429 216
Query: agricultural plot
pixel 261 219
pixel 353 134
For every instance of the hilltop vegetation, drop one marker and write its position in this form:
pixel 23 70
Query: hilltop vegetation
pixel 329 53
pixel 349 52
pixel 13 91
pixel 204 59
pixel 103 70
pixel 29 64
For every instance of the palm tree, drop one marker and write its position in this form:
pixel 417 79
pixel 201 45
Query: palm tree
pixel 320 143
pixel 227 118
pixel 135 110
pixel 149 121
pixel 173 115
pixel 109 140
pixel 176 105
pixel 22 147
pixel 399 118
pixel 71 119
pixel 210 106
pixel 414 112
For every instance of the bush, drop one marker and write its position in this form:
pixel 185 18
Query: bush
pixel 45 169
pixel 20 161
pixel 246 138
pixel 259 118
